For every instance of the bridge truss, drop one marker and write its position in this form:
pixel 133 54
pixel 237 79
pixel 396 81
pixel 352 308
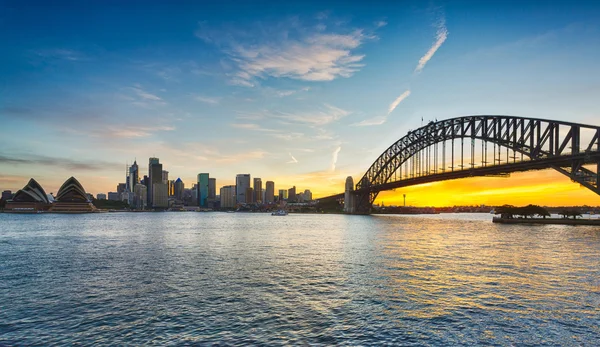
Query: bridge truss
pixel 482 146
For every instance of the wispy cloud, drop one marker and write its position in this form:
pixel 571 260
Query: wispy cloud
pixel 382 119
pixel 398 100
pixel 293 161
pixel 59 53
pixel 335 157
pixel 145 95
pixel 208 99
pixel 63 163
pixel 327 114
pixel 252 126
pixel 301 52
pixel 440 37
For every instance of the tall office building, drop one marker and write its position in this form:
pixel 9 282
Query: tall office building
pixel 283 194
pixel 203 179
pixel 242 183
pixel 212 188
pixel 178 189
pixel 258 190
pixel 292 194
pixel 155 173
pixel 121 187
pixel 270 192
pixel 134 176
pixel 307 195
pixel 228 196
pixel 140 192
pixel 160 195
pixel 249 195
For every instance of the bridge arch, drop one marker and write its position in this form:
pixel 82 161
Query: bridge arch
pixel 540 144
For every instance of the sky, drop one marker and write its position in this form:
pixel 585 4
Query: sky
pixel 302 93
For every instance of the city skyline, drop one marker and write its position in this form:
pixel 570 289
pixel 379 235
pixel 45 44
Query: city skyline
pixel 302 96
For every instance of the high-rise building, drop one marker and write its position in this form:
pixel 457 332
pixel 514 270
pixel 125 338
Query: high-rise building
pixel 228 196
pixel 203 179
pixel 258 190
pixel 134 176
pixel 121 187
pixel 178 189
pixel 249 195
pixel 292 194
pixel 101 196
pixel 140 196
pixel 160 197
pixel 242 182
pixel 165 176
pixel 155 173
pixel 307 195
pixel 270 192
pixel 283 194
pixel 212 188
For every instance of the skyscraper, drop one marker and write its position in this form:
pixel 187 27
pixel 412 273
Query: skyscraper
pixel 270 192
pixel 203 179
pixel 155 172
pixel 257 190
pixel 283 194
pixel 212 188
pixel 292 194
pixel 249 195
pixel 242 182
pixel 134 176
pixel 178 189
pixel 160 197
pixel 228 197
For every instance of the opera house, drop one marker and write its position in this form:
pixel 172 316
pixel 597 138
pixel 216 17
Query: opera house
pixel 71 198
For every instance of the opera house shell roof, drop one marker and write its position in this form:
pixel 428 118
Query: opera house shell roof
pixel 71 198
pixel 31 198
pixel 32 192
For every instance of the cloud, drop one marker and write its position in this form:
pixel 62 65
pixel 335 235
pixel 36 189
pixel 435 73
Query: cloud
pixel 381 23
pixel 208 99
pixel 293 161
pixel 296 52
pixel 398 100
pixel 335 158
pixel 145 95
pixel 252 126
pixel 63 163
pixel 326 115
pixel 61 54
pixel 372 121
pixel 440 37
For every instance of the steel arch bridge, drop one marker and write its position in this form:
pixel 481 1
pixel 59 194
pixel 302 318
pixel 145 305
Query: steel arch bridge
pixel 482 146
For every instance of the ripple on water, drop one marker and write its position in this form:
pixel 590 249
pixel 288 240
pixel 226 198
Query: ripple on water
pixel 249 279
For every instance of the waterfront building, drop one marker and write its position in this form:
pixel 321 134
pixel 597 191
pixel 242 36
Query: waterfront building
pixel 101 196
pixel 133 177
pixel 292 194
pixel 348 197
pixel 249 195
pixel 31 198
pixel 270 192
pixel 160 195
pixel 283 194
pixel 121 187
pixel 212 188
pixel 242 183
pixel 203 179
pixel 155 173
pixel 72 198
pixel 114 196
pixel 178 191
pixel 194 200
pixel 140 196
pixel 7 195
pixel 228 196
pixel 258 191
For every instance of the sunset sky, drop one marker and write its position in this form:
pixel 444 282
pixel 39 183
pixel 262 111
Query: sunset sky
pixel 303 93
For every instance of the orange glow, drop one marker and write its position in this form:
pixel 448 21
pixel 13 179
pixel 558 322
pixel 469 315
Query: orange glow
pixel 547 188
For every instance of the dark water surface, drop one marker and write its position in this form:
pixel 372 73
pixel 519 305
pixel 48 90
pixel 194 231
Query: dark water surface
pixel 232 279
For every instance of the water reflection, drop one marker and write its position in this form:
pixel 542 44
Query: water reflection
pixel 252 279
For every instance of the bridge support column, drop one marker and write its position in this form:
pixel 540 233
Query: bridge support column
pixel 362 203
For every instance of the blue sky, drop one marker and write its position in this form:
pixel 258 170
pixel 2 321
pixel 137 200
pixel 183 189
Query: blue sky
pixel 303 93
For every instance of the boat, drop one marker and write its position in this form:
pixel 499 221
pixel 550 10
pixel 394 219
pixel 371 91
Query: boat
pixel 279 213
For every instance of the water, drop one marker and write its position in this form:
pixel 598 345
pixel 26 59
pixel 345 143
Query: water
pixel 253 279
